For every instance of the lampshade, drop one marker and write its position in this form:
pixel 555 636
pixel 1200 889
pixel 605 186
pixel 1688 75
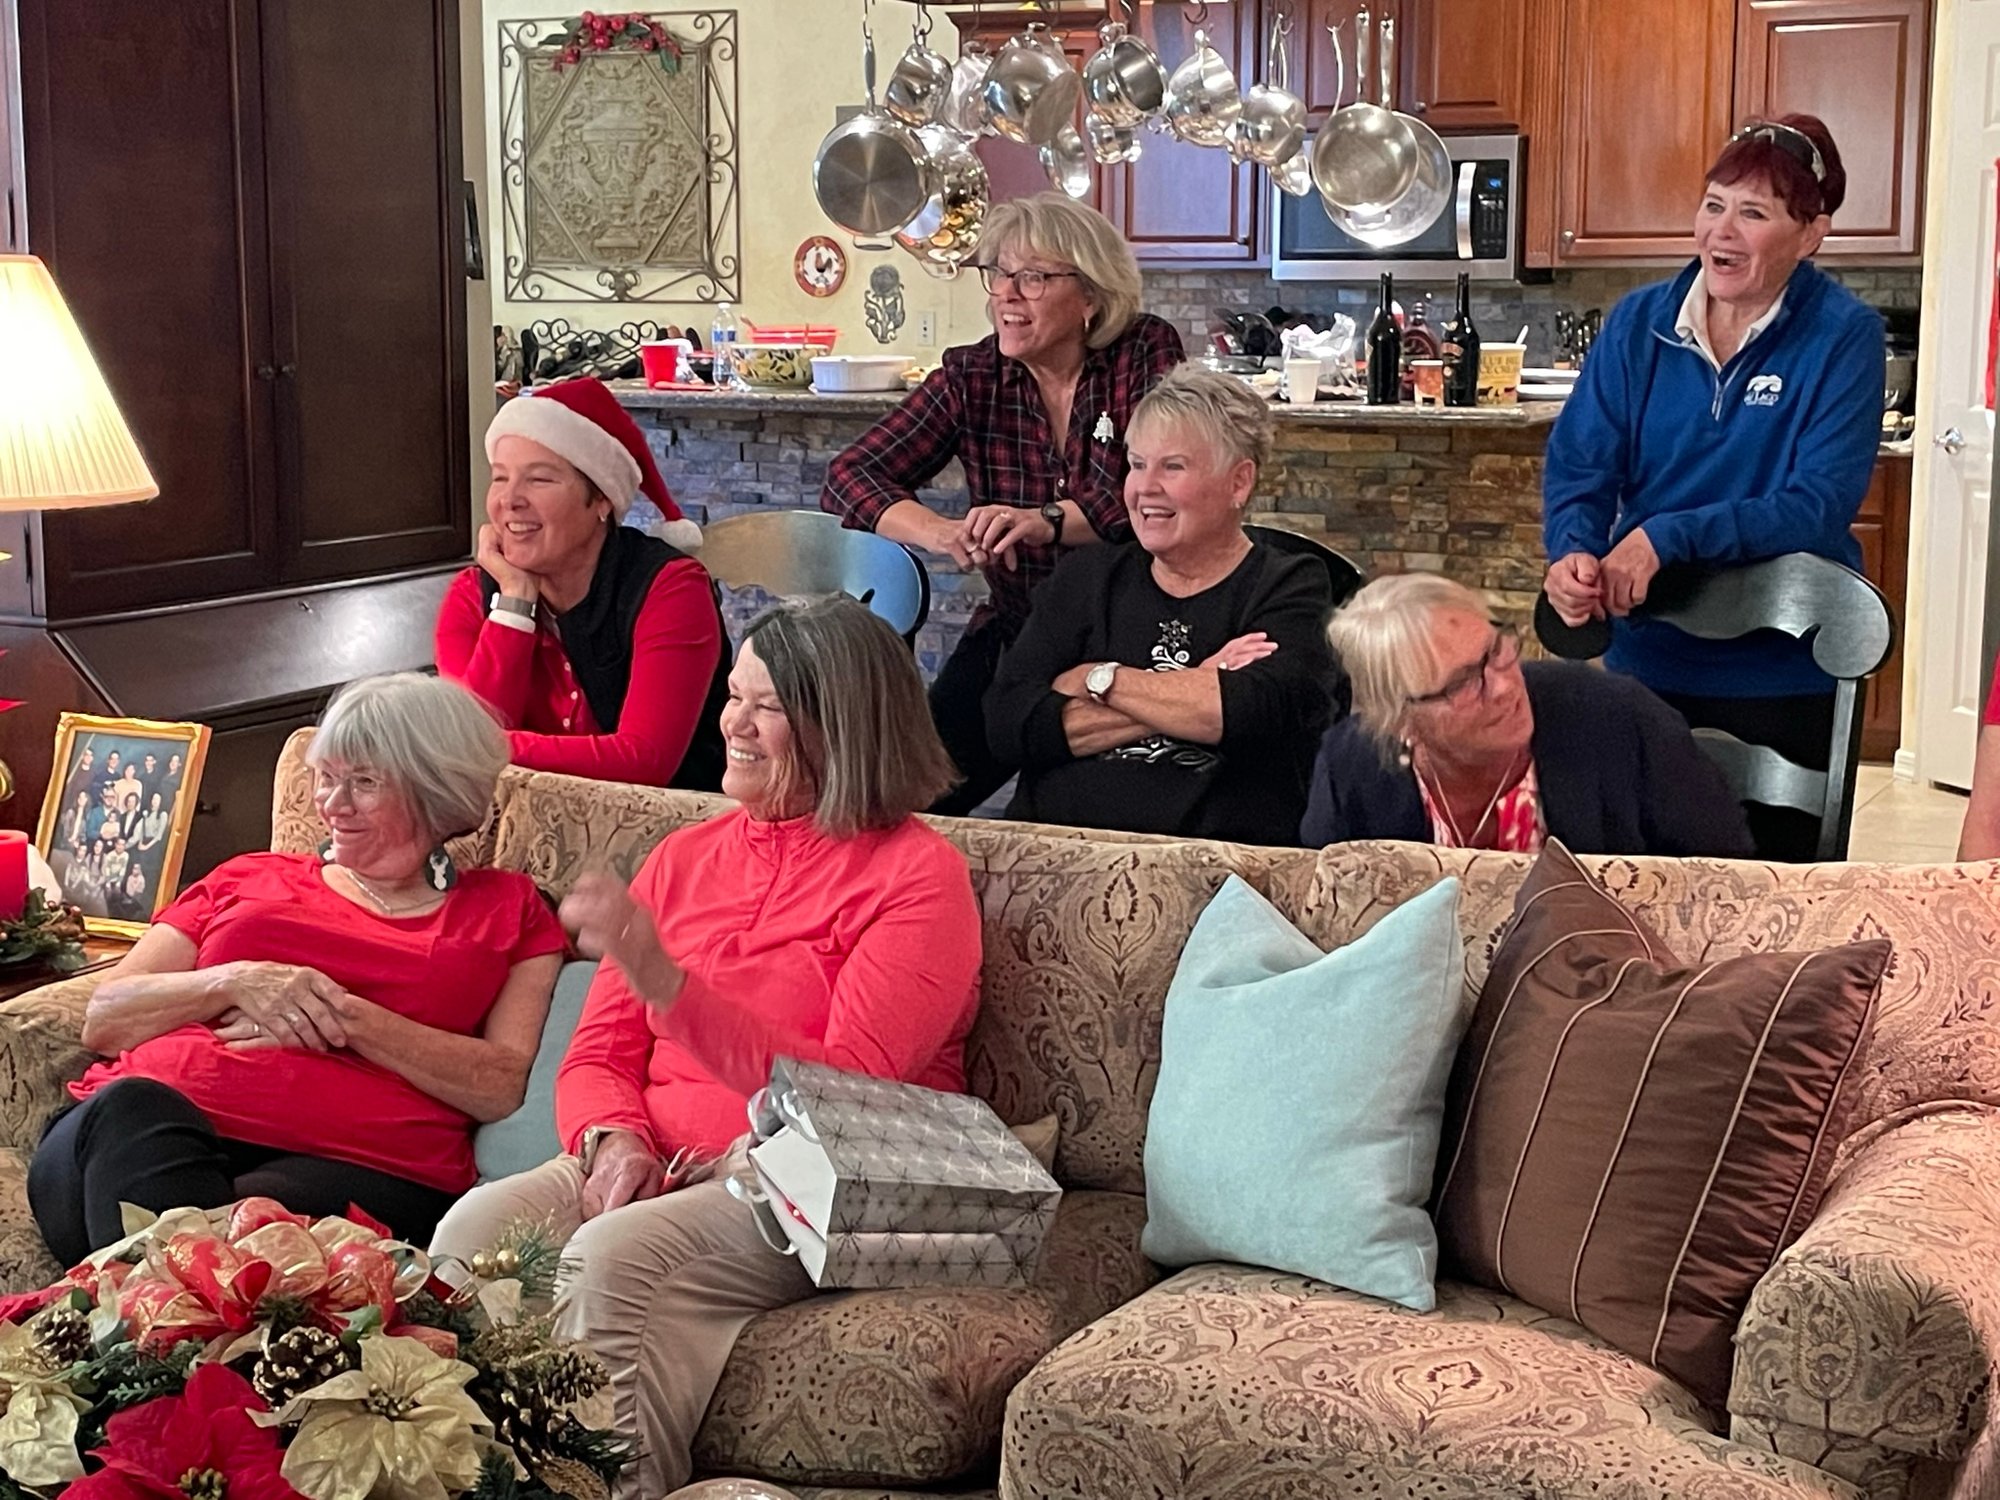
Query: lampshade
pixel 62 441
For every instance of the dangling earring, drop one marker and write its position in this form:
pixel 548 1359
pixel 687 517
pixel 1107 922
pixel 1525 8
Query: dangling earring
pixel 326 852
pixel 1403 756
pixel 440 871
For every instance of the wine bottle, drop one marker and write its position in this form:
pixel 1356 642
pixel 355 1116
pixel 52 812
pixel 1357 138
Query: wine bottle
pixel 1385 350
pixel 1460 351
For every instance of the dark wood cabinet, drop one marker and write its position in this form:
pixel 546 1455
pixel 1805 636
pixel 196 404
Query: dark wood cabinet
pixel 13 206
pixel 1460 63
pixel 1863 66
pixel 1882 527
pixel 1644 105
pixel 1192 205
pixel 260 230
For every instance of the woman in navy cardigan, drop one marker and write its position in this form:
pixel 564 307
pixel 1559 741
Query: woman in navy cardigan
pixel 1454 740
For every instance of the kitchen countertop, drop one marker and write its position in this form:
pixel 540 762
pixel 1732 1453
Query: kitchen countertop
pixel 635 394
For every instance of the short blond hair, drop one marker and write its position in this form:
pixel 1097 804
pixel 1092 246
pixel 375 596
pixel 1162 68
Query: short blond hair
pixel 1057 227
pixel 861 728
pixel 435 743
pixel 1383 640
pixel 1234 419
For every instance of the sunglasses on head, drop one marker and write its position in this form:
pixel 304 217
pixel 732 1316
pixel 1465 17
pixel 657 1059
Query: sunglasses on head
pixel 1789 139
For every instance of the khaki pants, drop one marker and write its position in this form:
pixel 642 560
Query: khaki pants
pixel 659 1289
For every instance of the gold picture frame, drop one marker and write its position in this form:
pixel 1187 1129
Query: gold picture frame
pixel 118 871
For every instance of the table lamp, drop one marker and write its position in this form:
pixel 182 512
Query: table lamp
pixel 63 443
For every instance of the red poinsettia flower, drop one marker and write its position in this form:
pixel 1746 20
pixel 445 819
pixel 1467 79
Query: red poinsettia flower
pixel 24 1305
pixel 154 1451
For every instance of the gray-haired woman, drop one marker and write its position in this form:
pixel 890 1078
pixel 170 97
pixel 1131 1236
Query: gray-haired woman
pixel 820 920
pixel 1456 741
pixel 322 1029
pixel 1176 684
pixel 1036 415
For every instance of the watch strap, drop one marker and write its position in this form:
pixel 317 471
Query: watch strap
pixel 1054 514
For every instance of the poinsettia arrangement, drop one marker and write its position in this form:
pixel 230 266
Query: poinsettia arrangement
pixel 632 31
pixel 251 1353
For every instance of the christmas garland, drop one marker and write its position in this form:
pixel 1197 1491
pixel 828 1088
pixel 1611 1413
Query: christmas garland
pixel 591 32
pixel 250 1353
pixel 44 934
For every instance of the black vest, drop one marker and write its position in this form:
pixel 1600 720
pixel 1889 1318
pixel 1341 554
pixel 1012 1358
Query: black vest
pixel 597 638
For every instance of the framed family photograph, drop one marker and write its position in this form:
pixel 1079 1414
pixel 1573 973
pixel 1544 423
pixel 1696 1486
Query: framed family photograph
pixel 114 825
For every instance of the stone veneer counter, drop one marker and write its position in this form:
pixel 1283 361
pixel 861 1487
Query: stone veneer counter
pixel 1395 488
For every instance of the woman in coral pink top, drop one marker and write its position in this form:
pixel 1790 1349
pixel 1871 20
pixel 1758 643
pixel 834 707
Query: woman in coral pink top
pixel 323 1029
pixel 820 920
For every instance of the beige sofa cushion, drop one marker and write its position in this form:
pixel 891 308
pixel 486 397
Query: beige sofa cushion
pixel 1937 1024
pixel 907 1388
pixel 1227 1381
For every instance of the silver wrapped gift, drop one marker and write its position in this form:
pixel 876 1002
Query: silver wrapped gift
pixel 882 1184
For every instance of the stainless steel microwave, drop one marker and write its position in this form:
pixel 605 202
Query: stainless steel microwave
pixel 1479 230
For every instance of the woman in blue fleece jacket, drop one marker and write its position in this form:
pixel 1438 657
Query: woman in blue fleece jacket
pixel 1727 415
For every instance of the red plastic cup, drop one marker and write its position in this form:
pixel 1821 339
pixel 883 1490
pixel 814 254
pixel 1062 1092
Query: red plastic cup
pixel 665 361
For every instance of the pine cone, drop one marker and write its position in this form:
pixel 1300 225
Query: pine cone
pixel 62 1334
pixel 297 1361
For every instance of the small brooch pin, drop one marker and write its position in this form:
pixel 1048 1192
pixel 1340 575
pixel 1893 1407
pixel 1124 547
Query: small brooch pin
pixel 1104 432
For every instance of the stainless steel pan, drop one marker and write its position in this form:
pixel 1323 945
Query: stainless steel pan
pixel 872 174
pixel 1123 80
pixel 946 231
pixel 1031 91
pixel 1410 215
pixel 1366 156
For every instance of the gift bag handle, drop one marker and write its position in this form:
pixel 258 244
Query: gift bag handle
pixel 762 1215
pixel 783 1105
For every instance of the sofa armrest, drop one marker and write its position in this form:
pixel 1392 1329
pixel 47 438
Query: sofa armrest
pixel 41 1050
pixel 1882 1322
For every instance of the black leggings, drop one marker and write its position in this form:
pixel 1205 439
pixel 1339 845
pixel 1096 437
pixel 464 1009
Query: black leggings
pixel 140 1142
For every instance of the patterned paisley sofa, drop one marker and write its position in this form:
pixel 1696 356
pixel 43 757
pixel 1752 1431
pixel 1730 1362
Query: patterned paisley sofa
pixel 1865 1367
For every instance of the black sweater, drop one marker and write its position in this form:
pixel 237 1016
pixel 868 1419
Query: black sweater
pixel 1102 604
pixel 1618 770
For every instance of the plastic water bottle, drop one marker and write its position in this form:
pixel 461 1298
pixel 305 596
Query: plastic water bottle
pixel 722 336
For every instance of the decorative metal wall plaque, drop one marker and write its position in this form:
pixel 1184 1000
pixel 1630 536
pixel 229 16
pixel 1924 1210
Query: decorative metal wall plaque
pixel 883 304
pixel 619 175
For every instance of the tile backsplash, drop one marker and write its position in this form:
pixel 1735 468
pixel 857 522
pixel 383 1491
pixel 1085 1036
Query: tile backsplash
pixel 1188 298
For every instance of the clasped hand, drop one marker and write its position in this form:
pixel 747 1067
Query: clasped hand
pixel 990 532
pixel 1580 587
pixel 282 1005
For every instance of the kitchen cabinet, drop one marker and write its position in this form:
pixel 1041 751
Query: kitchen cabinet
pixel 1192 205
pixel 1863 66
pixel 291 357
pixel 1882 527
pixel 1178 205
pixel 1461 63
pixel 1645 100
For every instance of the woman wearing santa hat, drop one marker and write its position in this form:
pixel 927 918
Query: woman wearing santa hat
pixel 600 648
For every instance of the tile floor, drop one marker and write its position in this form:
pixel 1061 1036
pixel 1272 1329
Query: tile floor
pixel 1904 822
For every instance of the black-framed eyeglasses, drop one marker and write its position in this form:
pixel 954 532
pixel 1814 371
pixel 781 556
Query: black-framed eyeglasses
pixel 1029 283
pixel 1789 139
pixel 1468 685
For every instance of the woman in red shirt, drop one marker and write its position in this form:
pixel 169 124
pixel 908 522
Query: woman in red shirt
pixel 820 920
pixel 600 648
pixel 323 1029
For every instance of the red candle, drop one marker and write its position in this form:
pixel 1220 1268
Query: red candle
pixel 13 873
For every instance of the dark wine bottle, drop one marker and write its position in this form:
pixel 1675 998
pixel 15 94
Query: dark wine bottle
pixel 1385 350
pixel 1459 349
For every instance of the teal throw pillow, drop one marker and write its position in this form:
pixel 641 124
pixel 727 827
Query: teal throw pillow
pixel 1301 1095
pixel 527 1137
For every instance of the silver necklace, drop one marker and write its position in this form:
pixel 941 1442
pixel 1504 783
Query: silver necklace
pixel 1459 840
pixel 374 895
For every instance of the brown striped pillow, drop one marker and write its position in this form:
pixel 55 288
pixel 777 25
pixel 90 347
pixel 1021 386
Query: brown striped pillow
pixel 1630 1140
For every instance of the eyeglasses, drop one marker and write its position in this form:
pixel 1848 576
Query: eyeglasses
pixel 1789 139
pixel 1467 686
pixel 1030 284
pixel 363 787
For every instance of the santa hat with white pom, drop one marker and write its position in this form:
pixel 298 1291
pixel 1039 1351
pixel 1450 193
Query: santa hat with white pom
pixel 581 421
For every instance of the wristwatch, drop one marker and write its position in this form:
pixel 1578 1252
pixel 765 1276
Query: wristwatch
pixel 1097 681
pixel 1053 514
pixel 506 604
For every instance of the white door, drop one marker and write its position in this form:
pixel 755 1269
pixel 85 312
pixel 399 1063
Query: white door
pixel 1954 464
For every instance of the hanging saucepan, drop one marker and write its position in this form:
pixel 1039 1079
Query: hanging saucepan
pixel 1203 99
pixel 1366 156
pixel 920 86
pixel 1031 90
pixel 1410 215
pixel 946 232
pixel 1271 130
pixel 1123 80
pixel 1111 144
pixel 872 174
pixel 1067 162
pixel 965 110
